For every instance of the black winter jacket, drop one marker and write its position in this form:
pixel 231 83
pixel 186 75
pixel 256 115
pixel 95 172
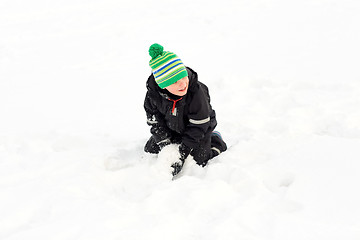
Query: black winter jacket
pixel 191 117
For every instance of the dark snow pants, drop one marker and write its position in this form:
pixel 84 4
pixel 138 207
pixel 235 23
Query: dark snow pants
pixel 211 146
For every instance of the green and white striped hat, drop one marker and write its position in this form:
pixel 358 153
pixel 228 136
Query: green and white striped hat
pixel 167 68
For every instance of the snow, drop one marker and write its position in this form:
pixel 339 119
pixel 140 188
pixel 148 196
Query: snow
pixel 284 81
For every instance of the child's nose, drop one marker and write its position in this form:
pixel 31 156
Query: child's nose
pixel 181 82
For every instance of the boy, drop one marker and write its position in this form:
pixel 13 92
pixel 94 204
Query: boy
pixel 178 110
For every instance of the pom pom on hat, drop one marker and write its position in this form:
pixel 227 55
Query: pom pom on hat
pixel 155 50
pixel 167 67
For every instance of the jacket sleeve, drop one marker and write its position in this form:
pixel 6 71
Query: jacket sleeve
pixel 199 118
pixel 159 130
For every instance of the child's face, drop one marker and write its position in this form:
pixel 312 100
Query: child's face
pixel 180 87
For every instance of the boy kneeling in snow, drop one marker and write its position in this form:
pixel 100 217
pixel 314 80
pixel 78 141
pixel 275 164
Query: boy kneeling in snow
pixel 178 110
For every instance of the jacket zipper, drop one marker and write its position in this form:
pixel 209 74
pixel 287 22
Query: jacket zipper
pixel 173 111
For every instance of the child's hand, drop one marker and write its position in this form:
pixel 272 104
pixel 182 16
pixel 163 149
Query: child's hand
pixel 177 166
pixel 184 153
pixel 163 143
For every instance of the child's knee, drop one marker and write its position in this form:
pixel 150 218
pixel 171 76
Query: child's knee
pixel 217 143
pixel 151 146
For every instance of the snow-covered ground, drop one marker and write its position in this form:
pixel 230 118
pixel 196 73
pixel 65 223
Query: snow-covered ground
pixel 284 80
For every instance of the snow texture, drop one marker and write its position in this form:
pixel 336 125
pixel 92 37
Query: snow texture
pixel 284 80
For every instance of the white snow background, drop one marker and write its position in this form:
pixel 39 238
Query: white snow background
pixel 284 80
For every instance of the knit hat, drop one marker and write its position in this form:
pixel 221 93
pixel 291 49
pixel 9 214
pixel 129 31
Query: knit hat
pixel 167 68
